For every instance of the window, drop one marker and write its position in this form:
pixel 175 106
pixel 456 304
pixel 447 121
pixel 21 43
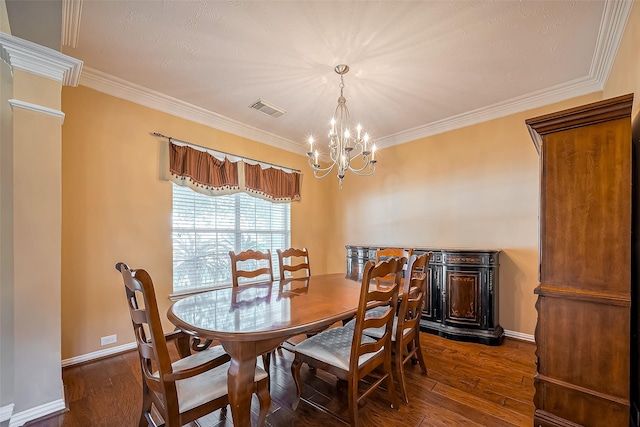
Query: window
pixel 206 228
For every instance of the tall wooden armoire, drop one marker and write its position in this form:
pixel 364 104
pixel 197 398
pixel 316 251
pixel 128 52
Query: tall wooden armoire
pixel 583 334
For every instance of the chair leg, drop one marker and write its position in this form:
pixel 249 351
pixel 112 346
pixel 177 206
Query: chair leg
pixel 262 390
pixel 419 354
pixel 146 405
pixel 410 352
pixel 398 360
pixel 352 390
pixel 266 362
pixel 391 389
pixel 295 372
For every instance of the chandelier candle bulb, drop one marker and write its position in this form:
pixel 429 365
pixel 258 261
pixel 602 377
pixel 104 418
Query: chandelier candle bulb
pixel 343 148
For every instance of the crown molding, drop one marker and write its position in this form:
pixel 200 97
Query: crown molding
pixel 526 102
pixel 43 61
pixel 71 14
pixel 123 89
pixel 614 19
pixel 16 103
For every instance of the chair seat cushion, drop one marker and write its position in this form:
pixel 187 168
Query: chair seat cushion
pixel 208 386
pixel 333 347
pixel 377 332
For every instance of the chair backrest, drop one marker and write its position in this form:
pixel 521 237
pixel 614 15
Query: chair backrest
pixel 148 332
pixel 371 297
pixel 255 257
pixel 413 294
pixel 383 254
pixel 301 255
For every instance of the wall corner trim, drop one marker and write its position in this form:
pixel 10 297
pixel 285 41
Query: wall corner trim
pixel 5 412
pixel 16 103
pixel 20 418
pixel 40 60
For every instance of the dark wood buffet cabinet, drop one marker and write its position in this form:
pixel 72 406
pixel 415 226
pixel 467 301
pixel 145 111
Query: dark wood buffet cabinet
pixel 462 291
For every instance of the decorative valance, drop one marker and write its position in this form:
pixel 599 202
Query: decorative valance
pixel 200 170
pixel 271 183
pixel 216 173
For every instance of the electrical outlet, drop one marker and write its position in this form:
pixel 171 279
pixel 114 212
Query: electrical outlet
pixel 110 339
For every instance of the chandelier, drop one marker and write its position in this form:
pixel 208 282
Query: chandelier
pixel 345 145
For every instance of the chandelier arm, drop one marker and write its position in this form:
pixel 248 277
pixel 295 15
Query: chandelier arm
pixel 326 171
pixel 368 164
pixel 365 174
pixel 318 168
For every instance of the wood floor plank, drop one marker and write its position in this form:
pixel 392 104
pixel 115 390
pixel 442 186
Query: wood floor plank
pixel 466 384
pixel 478 402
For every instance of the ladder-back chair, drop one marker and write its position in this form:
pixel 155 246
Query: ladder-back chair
pixel 292 254
pixel 186 389
pixel 261 263
pixel 349 354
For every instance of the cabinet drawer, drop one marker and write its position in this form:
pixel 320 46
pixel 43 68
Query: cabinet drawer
pixel 468 259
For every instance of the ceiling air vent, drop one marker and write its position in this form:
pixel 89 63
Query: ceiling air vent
pixel 266 108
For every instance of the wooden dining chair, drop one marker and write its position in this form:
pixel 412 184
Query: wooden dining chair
pixel 349 354
pixel 406 325
pixel 383 254
pixel 407 334
pixel 260 263
pixel 292 254
pixel 255 264
pixel 190 387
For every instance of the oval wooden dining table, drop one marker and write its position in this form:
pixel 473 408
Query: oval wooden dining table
pixel 251 320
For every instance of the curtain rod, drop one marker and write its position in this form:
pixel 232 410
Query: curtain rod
pixel 170 138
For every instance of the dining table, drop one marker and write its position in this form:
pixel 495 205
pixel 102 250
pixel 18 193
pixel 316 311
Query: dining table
pixel 251 320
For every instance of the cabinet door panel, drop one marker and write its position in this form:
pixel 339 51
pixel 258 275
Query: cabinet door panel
pixel 463 289
pixel 431 298
pixel 586 220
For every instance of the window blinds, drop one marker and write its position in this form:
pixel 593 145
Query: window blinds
pixel 206 228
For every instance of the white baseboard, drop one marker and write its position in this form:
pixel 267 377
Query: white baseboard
pixel 5 412
pixel 98 354
pixel 20 418
pixel 519 336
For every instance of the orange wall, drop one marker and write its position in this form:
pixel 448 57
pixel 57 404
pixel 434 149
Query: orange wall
pixel 115 208
pixel 475 187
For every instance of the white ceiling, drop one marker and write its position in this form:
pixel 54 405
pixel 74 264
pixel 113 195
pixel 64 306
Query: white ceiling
pixel 417 68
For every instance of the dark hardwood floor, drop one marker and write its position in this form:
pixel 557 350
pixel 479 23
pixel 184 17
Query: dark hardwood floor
pixel 467 384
